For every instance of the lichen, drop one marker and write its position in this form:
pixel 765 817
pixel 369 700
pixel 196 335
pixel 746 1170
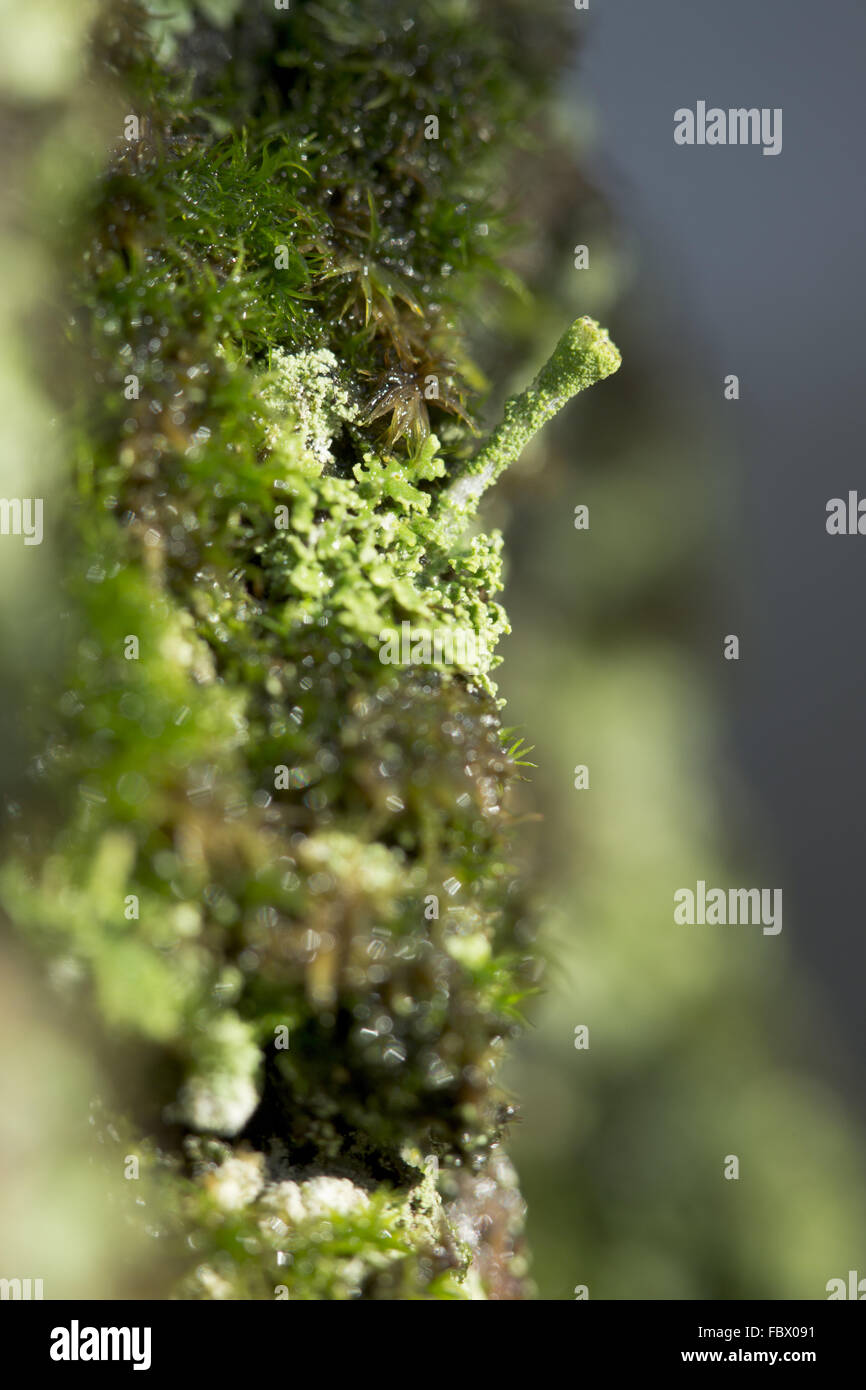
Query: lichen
pixel 306 392
pixel 583 356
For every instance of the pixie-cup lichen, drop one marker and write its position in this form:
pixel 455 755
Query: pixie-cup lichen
pixel 274 869
pixel 583 356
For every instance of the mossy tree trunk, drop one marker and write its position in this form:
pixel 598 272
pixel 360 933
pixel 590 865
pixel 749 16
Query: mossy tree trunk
pixel 268 830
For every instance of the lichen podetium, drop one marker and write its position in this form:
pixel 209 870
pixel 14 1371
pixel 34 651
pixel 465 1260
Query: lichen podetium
pixel 277 872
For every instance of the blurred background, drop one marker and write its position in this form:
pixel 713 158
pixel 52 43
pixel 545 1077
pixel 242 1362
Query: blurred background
pixel 706 518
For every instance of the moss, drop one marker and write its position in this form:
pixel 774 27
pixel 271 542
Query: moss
pixel 279 867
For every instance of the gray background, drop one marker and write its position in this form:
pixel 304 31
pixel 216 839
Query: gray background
pixel 753 265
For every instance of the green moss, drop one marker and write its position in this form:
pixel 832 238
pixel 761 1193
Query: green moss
pixel 278 866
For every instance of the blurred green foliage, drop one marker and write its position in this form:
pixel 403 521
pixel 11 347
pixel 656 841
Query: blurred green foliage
pixel 703 1041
